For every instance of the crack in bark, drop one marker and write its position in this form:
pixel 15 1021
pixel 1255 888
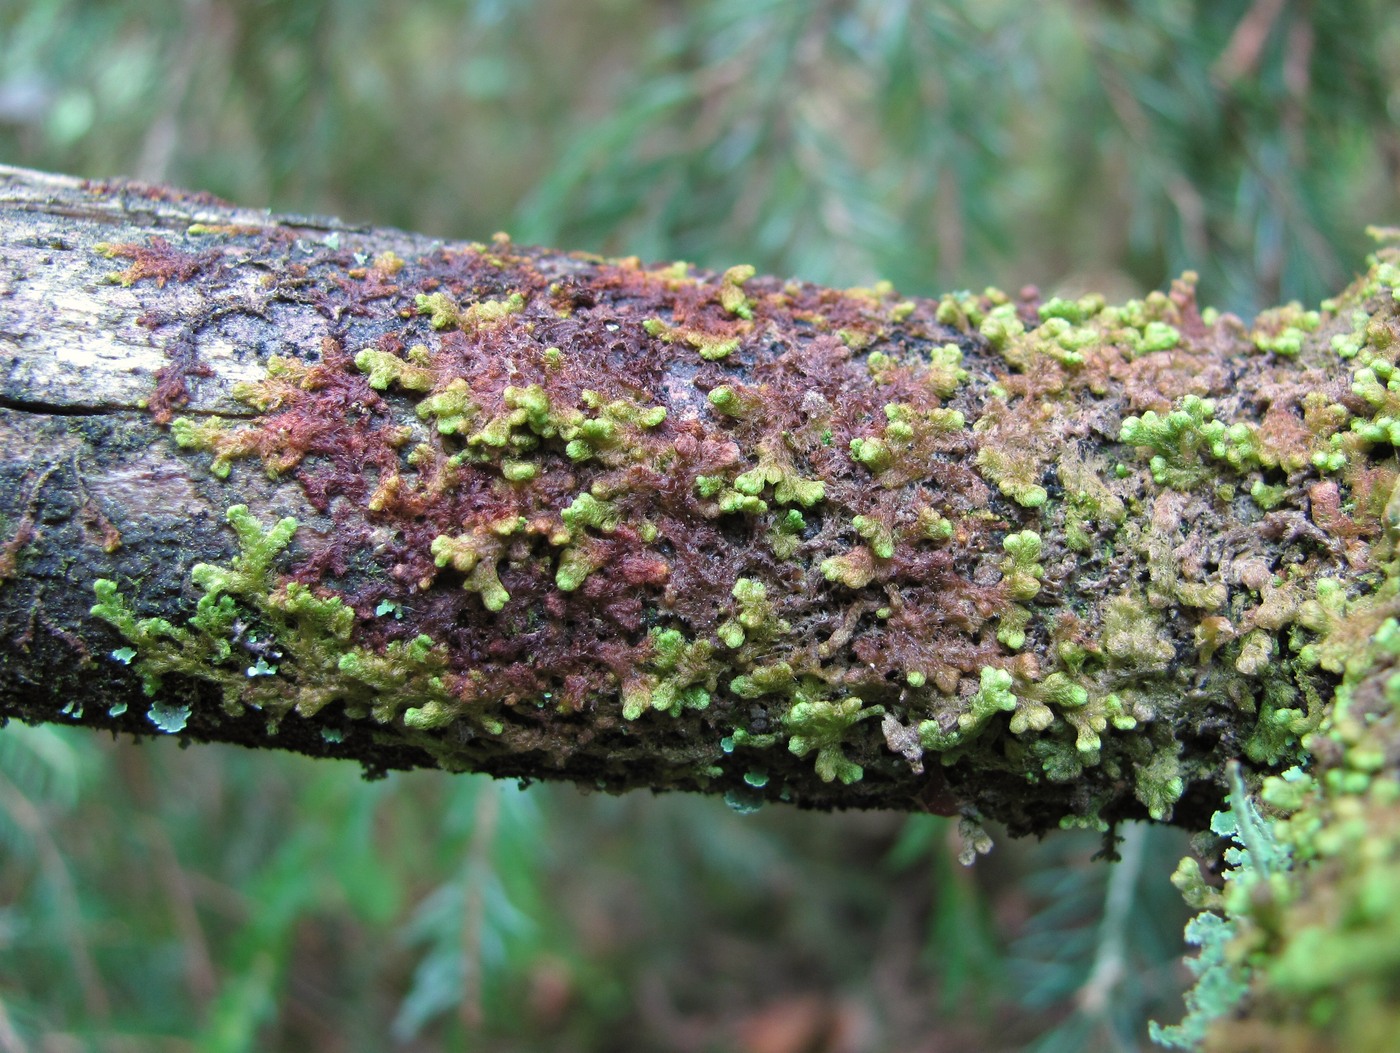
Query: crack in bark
pixel 53 409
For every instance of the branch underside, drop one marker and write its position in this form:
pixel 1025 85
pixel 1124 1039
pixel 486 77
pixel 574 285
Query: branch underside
pixel 362 494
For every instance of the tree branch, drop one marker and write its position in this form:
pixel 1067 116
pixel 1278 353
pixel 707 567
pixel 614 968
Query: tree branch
pixel 287 482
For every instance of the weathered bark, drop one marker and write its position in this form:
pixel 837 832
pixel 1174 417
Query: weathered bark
pixel 1052 563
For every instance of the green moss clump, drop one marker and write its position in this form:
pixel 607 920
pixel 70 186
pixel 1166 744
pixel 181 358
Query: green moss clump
pixel 677 675
pixel 731 291
pixel 822 726
pixel 756 620
pixel 277 647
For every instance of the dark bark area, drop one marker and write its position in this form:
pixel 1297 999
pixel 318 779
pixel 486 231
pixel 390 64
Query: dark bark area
pixel 1049 562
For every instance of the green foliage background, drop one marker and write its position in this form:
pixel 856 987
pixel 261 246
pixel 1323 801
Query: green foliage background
pixel 213 900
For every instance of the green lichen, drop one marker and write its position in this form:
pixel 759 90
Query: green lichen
pixel 1259 863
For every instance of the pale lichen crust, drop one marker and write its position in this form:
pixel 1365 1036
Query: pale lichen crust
pixel 1039 559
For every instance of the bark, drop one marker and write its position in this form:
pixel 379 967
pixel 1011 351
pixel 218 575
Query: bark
pixel 560 517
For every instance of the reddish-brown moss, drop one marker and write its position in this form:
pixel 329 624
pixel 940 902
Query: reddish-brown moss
pixel 563 437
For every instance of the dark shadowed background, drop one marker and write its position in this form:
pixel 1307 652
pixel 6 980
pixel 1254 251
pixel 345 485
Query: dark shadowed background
pixel 214 900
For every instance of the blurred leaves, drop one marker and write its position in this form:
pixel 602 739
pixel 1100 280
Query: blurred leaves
pixel 1110 143
pixel 213 900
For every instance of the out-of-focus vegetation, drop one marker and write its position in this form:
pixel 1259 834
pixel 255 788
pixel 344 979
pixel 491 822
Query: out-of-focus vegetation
pixel 154 899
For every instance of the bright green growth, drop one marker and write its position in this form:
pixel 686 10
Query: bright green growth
pixel 587 511
pixel 476 555
pixel 1021 568
pixel 1267 496
pixel 1158 336
pixel 1282 330
pixel 605 433
pixel 452 406
pixel 1093 717
pixel 993 696
pixel 789 487
pixel 742 403
pixel 906 429
pixel 274 647
pixel 1055 338
pixel 764 680
pixel 1001 327
pixel 385 369
pixel 873 453
pixel 524 407
pixel 1033 710
pixel 756 621
pixel 880 366
pixel 708 486
pixel 676 676
pixel 214 435
pixel 734 502
pixel 879 536
pixel 822 726
pixel 710 346
pixel 1326 615
pixel 1015 473
pixel 1378 383
pixel 945 372
pixel 1159 783
pixel 1075 312
pixel 731 291
pixel 933 526
pixel 446 314
pixel 441 307
pixel 786 534
pixel 1011 627
pixel 1183 435
pixel 576 562
pixel 518 471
